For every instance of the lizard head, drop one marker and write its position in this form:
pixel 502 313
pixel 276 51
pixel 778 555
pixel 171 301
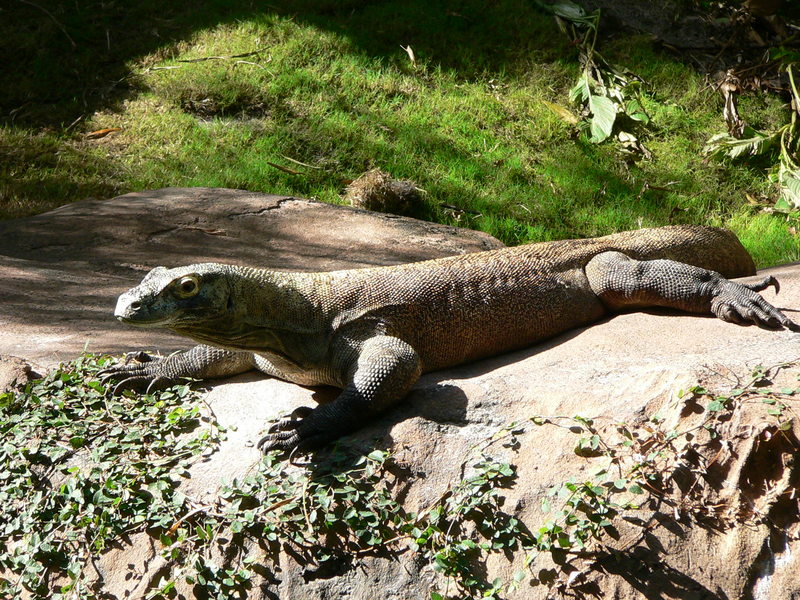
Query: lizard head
pixel 177 297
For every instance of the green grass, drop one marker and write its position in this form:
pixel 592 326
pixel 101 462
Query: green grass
pixel 332 88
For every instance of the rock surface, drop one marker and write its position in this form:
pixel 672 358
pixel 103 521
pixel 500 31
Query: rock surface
pixel 622 370
pixel 61 272
pixel 15 372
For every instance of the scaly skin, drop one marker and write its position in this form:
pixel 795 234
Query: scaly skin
pixel 373 331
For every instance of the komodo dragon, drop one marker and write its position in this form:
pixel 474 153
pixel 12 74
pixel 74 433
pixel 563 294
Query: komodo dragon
pixel 373 331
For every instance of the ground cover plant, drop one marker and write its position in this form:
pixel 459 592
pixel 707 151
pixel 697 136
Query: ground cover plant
pixel 83 471
pixel 302 97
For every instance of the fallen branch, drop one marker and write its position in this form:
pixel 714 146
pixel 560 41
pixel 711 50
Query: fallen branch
pixel 284 169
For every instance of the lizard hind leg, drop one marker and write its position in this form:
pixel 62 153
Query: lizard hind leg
pixel 385 370
pixel 622 283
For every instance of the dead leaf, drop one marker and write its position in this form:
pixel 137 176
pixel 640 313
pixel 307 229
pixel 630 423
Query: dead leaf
pixel 284 169
pixel 202 59
pixel 633 147
pixel 730 89
pixel 297 162
pixel 410 53
pixel 100 133
pixel 565 114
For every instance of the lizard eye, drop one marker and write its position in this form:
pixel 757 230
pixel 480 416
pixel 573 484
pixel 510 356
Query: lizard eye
pixel 187 286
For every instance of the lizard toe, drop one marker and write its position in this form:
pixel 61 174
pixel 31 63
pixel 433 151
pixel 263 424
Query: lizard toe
pixel 147 374
pixel 283 424
pixel 751 309
pixel 729 314
pixel 313 442
pixel 282 440
pixel 136 383
pixel 120 372
pixel 768 281
pixel 158 383
pixel 292 420
pixel 139 356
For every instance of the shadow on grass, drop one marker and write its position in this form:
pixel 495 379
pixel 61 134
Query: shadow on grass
pixel 64 59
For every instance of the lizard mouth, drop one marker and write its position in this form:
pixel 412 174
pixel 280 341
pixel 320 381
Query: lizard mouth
pixel 136 313
pixel 141 322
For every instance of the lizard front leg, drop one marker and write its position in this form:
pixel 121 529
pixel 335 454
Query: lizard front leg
pixel 201 362
pixel 622 282
pixel 384 371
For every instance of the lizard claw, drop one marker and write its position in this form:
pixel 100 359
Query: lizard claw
pixel 740 303
pixel 292 442
pixel 279 440
pixel 138 371
pixel 292 420
pixel 768 281
pixel 293 434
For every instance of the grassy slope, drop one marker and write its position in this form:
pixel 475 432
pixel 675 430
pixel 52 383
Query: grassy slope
pixel 332 88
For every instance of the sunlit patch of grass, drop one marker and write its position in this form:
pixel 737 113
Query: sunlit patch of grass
pixel 40 170
pixel 769 238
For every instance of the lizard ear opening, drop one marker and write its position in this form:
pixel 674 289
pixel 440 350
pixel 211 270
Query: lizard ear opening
pixel 187 286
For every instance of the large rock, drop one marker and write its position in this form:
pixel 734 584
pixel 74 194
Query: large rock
pixel 61 271
pixel 622 370
pixel 15 373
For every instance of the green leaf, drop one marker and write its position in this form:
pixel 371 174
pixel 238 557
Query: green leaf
pixel 581 91
pixel 568 10
pixel 715 406
pixel 790 188
pixel 377 455
pixel 753 143
pixel 635 110
pixel 604 113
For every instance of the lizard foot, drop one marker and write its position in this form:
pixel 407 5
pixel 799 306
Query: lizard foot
pixel 288 435
pixel 279 440
pixel 146 374
pixel 740 303
pixel 291 421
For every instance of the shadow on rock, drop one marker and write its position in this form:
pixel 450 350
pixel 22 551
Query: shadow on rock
pixel 655 579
